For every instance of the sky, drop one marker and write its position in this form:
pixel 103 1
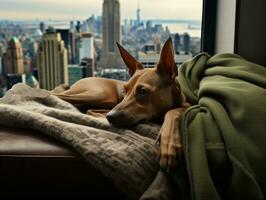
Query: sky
pixel 81 9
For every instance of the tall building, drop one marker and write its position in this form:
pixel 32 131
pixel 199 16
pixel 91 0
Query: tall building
pixel 12 79
pixel 65 36
pixel 186 41
pixel 110 57
pixel 149 57
pixel 52 60
pixel 13 58
pixel 76 72
pixel 138 22
pixel 86 50
pixel 89 64
pixel 42 27
pixel 72 38
pixel 177 43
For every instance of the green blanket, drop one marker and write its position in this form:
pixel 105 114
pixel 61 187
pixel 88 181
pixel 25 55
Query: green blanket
pixel 223 134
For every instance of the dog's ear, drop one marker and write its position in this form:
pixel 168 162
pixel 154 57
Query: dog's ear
pixel 167 64
pixel 129 60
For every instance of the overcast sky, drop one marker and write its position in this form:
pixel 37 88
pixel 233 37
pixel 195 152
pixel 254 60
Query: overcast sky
pixel 81 9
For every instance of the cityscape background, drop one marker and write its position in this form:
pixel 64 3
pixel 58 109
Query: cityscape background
pixel 44 46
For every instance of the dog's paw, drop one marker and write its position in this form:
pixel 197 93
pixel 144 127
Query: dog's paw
pixel 170 142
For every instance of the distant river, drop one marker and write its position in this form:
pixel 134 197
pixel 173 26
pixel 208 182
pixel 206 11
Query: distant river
pixel 193 31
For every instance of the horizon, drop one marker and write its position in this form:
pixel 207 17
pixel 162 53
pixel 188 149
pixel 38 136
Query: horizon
pixel 75 10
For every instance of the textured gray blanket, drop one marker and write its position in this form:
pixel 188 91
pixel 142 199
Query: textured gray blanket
pixel 127 157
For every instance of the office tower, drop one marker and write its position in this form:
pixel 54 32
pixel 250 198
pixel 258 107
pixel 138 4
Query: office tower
pixel 176 43
pixel 149 26
pixel 99 25
pixel 76 72
pixel 86 28
pixel 42 27
pixel 138 22
pixel 77 47
pixel 37 35
pixel 12 79
pixel 52 60
pixel 78 26
pixel 89 64
pixel 32 81
pixel 1 49
pixel 65 36
pixel 72 51
pixel 157 42
pixel 13 58
pixel 27 65
pixel 86 50
pixel 110 57
pixel 30 47
pixel 186 41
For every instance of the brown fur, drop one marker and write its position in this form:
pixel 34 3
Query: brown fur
pixel 151 93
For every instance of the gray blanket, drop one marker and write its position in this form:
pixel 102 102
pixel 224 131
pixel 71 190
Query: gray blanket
pixel 129 158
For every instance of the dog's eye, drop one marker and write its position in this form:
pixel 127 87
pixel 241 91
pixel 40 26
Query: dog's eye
pixel 141 92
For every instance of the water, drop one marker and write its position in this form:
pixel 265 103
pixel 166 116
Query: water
pixel 181 28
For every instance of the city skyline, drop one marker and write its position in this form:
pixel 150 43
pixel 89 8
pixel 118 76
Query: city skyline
pixel 73 10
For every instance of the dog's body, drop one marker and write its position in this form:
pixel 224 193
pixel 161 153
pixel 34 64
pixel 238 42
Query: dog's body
pixel 151 93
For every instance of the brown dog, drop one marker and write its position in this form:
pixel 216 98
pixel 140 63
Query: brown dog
pixel 150 94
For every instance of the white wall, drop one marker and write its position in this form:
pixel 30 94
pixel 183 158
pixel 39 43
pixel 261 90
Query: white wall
pixel 225 26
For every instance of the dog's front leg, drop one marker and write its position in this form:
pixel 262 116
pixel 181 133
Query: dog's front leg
pixel 170 141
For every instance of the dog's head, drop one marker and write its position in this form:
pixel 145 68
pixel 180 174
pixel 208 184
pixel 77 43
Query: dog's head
pixel 150 92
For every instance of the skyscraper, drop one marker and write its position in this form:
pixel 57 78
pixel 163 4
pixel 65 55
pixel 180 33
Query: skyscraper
pixel 138 22
pixel 186 41
pixel 13 58
pixel 86 50
pixel 177 43
pixel 110 57
pixel 42 27
pixel 65 36
pixel 52 60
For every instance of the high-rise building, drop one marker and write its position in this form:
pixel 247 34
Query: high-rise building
pixel 13 58
pixel 186 41
pixel 138 22
pixel 110 57
pixel 1 49
pixel 76 72
pixel 12 79
pixel 89 64
pixel 42 27
pixel 52 60
pixel 86 50
pixel 65 36
pixel 157 42
pixel 149 26
pixel 30 47
pixel 177 43
pixel 78 26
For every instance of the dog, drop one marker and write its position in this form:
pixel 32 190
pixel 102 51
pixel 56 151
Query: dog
pixel 150 94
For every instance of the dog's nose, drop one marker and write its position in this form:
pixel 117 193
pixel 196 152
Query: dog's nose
pixel 111 117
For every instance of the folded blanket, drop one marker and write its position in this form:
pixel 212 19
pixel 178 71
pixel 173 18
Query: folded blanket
pixel 223 134
pixel 127 157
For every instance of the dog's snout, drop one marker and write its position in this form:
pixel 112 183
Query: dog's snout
pixel 112 117
pixel 120 119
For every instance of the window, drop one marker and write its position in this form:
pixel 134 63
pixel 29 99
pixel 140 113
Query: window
pixel 88 31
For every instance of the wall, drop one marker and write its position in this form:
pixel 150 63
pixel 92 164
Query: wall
pixel 250 40
pixel 225 26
